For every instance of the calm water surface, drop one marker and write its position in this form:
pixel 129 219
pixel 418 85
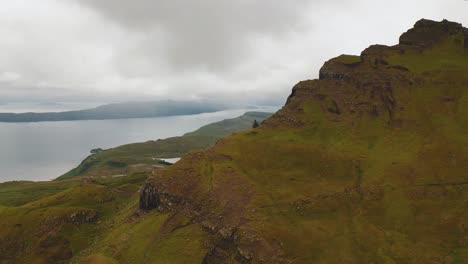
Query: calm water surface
pixel 46 150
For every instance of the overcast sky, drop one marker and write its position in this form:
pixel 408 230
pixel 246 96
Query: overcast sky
pixel 122 50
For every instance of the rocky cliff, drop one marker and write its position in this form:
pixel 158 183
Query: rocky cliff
pixel 368 164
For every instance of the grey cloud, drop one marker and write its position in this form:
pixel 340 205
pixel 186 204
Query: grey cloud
pixel 211 34
pixel 256 49
pixel 9 77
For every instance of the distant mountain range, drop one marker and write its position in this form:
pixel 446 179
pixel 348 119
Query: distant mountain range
pixel 120 111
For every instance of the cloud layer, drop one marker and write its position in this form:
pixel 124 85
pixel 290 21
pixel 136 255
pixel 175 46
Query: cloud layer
pixel 190 49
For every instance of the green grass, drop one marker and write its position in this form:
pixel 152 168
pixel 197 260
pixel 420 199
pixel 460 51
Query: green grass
pixel 446 56
pixel 44 228
pixel 19 193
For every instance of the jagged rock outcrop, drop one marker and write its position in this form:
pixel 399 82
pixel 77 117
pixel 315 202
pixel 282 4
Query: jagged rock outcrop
pixel 153 196
pixel 425 33
pixel 149 197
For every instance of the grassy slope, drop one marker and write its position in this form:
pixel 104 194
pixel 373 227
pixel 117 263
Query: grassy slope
pixel 53 228
pixel 120 160
pixel 367 165
pixel 51 221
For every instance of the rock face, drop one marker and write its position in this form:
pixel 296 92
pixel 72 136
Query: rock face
pixel 149 197
pixel 427 32
pixel 153 196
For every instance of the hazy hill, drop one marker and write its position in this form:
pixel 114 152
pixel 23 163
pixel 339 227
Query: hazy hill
pixel 365 165
pixel 143 156
pixel 120 111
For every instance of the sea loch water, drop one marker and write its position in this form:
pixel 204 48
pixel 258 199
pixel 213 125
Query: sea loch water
pixel 46 150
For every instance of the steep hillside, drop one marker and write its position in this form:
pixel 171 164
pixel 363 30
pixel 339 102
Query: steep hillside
pixel 141 157
pixel 368 164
